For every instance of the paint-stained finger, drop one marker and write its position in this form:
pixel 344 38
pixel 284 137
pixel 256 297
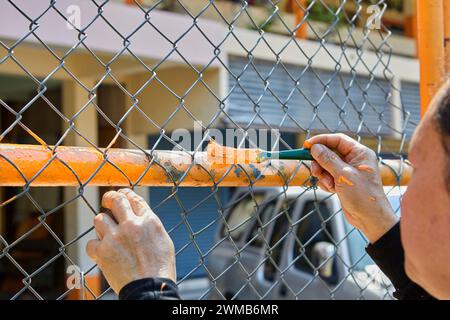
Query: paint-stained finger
pixel 91 249
pixel 138 204
pixel 104 224
pixel 119 205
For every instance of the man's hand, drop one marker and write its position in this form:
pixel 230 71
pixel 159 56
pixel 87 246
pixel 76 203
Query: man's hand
pixel 354 176
pixel 132 244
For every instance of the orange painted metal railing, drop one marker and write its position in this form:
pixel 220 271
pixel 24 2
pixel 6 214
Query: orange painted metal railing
pixel 75 166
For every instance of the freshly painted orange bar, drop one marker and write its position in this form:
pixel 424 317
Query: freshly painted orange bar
pixel 222 155
pixel 72 166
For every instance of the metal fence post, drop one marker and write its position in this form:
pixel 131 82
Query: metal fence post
pixel 297 7
pixel 430 25
pixel 447 37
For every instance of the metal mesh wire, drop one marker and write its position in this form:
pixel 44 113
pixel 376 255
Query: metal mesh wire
pixel 231 243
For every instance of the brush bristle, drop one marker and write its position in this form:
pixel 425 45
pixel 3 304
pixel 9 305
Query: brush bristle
pixel 261 157
pixel 222 155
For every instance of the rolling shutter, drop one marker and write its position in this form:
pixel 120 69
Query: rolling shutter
pixel 200 220
pixel 198 215
pixel 318 101
pixel 411 102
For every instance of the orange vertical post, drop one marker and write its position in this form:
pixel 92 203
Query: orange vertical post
pixel 297 7
pixel 430 25
pixel 447 37
pixel 410 22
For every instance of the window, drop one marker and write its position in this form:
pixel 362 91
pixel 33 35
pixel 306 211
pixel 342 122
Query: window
pixel 310 231
pixel 357 244
pixel 241 215
pixel 256 235
pixel 279 233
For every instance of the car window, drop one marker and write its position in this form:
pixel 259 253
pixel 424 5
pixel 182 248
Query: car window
pixel 283 218
pixel 256 236
pixel 357 242
pixel 241 215
pixel 310 230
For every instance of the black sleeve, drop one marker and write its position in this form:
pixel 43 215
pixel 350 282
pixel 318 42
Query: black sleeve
pixel 150 289
pixel 388 254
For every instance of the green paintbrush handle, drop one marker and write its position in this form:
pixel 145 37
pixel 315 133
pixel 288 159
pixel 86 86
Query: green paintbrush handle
pixel 295 154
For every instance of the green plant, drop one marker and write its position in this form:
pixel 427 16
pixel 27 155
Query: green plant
pixel 318 12
pixel 391 4
pixel 266 27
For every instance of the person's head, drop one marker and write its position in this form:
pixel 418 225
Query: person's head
pixel 425 220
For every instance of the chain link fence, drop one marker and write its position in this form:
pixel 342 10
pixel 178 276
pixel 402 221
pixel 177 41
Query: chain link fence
pixel 269 74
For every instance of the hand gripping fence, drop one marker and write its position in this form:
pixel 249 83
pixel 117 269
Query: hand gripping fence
pixel 96 95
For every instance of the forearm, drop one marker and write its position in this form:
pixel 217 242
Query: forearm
pixel 382 219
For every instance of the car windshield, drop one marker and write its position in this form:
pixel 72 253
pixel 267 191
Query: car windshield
pixel 242 215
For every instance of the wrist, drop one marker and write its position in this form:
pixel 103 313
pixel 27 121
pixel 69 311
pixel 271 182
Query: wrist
pixel 383 222
pixel 165 272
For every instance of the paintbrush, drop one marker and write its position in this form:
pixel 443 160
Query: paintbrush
pixel 218 154
pixel 294 154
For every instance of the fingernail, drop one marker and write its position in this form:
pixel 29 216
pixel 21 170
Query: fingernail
pixel 108 194
pixel 328 183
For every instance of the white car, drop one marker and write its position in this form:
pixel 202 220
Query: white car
pixel 293 244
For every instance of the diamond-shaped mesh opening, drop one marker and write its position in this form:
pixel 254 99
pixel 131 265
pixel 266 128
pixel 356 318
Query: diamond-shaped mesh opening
pixel 150 77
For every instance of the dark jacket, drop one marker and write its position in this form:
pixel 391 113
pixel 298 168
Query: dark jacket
pixel 387 253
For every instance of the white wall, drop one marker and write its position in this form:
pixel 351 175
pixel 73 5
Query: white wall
pixel 158 103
